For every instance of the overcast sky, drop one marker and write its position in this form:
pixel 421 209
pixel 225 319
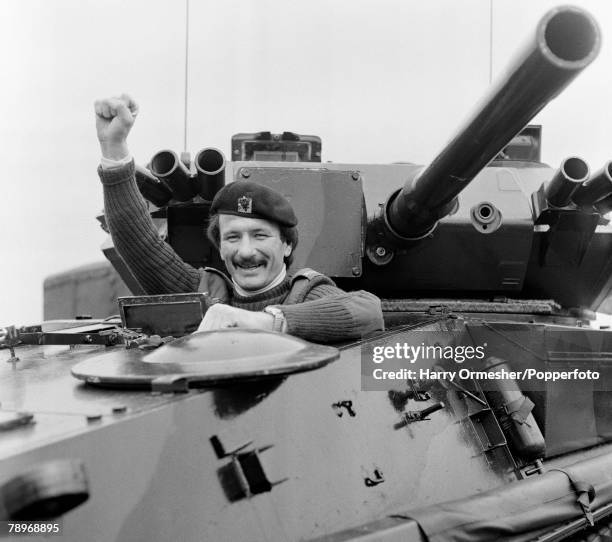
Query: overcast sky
pixel 379 81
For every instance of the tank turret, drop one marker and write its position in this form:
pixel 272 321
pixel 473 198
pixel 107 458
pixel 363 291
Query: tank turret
pixel 470 207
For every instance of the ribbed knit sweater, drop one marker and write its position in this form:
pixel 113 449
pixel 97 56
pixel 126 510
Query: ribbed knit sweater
pixel 328 314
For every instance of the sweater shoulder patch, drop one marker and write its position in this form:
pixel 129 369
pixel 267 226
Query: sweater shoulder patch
pixel 302 282
pixel 306 273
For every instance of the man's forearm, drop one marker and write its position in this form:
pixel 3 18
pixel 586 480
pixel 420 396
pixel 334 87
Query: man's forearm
pixel 330 314
pixel 156 266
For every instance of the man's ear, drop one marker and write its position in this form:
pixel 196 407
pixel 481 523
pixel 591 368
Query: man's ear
pixel 288 250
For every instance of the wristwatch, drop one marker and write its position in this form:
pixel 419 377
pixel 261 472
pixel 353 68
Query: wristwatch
pixel 279 324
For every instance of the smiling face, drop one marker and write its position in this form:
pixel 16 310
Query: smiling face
pixel 252 250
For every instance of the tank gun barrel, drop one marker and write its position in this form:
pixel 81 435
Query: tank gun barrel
pixel 567 39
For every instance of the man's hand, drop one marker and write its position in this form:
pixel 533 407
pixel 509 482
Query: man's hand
pixel 220 316
pixel 114 119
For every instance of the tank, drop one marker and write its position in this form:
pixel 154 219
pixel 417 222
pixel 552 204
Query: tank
pixel 482 412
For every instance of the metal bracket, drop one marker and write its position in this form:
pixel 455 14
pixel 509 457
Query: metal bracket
pixel 244 476
pixel 412 416
pixel 55 338
pixel 417 394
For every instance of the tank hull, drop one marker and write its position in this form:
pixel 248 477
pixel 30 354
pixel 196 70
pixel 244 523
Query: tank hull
pixel 335 456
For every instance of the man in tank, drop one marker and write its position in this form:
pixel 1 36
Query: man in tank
pixel 254 228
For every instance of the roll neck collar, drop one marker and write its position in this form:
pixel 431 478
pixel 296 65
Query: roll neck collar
pixel 250 293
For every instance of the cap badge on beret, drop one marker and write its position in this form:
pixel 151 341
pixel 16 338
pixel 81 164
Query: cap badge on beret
pixel 245 205
pixel 254 200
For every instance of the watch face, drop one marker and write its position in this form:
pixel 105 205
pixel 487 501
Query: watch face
pixel 279 317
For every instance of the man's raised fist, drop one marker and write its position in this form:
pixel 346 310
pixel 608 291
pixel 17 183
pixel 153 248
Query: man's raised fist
pixel 114 119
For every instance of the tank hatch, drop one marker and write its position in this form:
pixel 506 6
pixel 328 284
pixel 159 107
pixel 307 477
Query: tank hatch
pixel 205 358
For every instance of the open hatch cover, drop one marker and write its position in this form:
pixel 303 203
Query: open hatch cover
pixel 205 358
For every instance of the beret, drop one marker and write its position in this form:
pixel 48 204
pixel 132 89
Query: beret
pixel 246 198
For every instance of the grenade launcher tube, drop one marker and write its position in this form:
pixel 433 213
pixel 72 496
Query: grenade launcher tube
pixel 167 166
pixel 595 189
pixel 210 168
pixel 567 179
pixel 151 187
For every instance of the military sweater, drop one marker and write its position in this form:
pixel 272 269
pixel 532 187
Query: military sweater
pixel 326 314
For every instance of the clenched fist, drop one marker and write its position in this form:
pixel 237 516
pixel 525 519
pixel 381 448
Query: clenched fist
pixel 114 120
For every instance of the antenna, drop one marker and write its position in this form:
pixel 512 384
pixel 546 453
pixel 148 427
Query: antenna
pixel 186 72
pixel 490 41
